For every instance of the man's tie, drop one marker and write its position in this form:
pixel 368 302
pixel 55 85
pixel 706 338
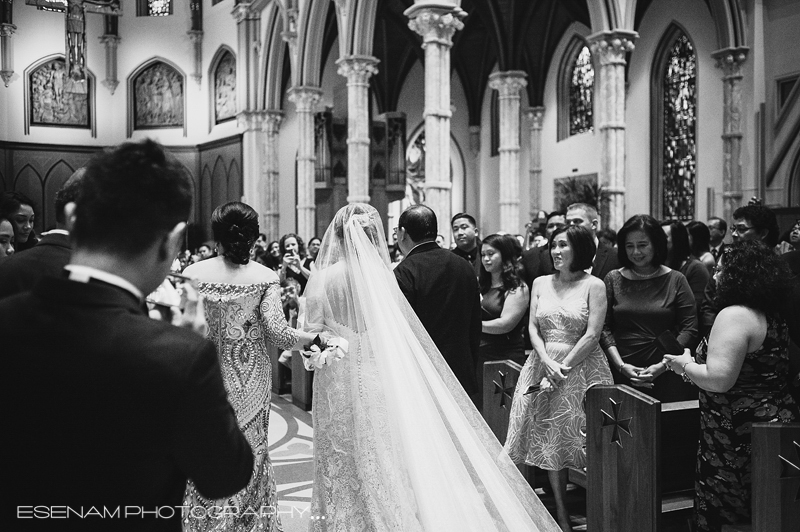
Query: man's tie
pixel 715 252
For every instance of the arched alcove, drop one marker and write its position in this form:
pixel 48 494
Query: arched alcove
pixel 56 176
pixel 222 86
pixel 156 91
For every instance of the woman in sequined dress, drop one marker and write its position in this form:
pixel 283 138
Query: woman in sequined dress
pixel 243 310
pixel 743 375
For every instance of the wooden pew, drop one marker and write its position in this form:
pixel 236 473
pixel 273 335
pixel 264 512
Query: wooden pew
pixel 302 383
pixel 776 477
pixel 499 380
pixel 280 373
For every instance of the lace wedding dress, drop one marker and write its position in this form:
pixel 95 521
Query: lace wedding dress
pixel 398 445
pixel 241 319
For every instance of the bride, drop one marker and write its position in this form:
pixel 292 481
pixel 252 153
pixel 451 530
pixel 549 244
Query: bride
pixel 398 443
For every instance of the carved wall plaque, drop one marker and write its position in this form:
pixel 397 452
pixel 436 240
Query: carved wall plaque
pixel 55 99
pixel 158 97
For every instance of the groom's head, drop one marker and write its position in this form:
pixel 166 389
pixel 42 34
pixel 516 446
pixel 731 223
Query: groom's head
pixel 417 224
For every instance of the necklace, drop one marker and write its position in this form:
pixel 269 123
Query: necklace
pixel 647 275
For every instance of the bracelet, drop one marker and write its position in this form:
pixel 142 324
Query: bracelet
pixel 622 366
pixel 684 375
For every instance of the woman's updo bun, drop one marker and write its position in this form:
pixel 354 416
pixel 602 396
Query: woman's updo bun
pixel 235 226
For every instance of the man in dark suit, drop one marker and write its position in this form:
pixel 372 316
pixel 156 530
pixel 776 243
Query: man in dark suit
pixel 468 245
pixel 109 409
pixel 443 290
pixel 717 228
pixel 536 261
pixel 605 259
pixel 47 258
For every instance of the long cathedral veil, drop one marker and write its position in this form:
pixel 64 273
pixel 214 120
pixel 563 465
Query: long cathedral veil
pixel 458 474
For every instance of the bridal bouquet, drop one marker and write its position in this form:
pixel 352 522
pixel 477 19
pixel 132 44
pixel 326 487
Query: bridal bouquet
pixel 315 357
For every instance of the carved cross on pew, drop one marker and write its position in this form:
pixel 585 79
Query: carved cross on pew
pixel 75 30
pixel 502 389
pixel 616 422
pixel 792 470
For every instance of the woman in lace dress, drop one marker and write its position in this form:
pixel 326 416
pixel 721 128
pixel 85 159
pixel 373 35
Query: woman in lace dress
pixel 243 310
pixel 547 428
pixel 398 444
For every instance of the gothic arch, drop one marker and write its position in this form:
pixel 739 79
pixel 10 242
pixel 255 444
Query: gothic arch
pixel 234 182
pixel 659 62
pixel 28 181
pixel 730 23
pixel 309 44
pixel 576 43
pixel 272 60
pixel 357 31
pixel 609 15
pixel 55 178
pixel 222 52
pixel 132 93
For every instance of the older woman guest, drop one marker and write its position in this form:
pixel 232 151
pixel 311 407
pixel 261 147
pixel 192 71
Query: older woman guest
pixel 504 300
pixel 547 428
pixel 645 299
pixel 19 210
pixel 742 373
pixel 679 257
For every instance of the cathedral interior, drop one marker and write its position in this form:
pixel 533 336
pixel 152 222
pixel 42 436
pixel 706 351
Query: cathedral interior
pixel 683 109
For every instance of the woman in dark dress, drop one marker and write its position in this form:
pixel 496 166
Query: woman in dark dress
pixel 645 299
pixel 504 300
pixel 743 376
pixel 19 210
pixel 679 257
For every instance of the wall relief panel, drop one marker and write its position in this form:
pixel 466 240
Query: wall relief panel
pixel 158 97
pixel 56 100
pixel 225 89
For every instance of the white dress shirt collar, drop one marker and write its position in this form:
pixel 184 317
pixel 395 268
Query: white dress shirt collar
pixel 83 274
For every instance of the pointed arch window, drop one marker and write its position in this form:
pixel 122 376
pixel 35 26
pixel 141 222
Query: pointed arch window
pixel 576 90
pixel 674 153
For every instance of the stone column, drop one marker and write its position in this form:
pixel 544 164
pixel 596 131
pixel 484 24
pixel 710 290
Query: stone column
pixel 358 69
pixel 436 23
pixel 508 84
pixel 535 116
pixel 270 216
pixel 730 61
pixel 7 59
pixel 609 49
pixel 248 23
pixel 253 147
pixel 305 100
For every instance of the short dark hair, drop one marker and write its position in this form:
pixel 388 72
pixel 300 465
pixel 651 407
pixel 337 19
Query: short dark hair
pixel 301 246
pixel 753 276
pixel 556 213
pixel 466 216
pixel 131 196
pixel 761 218
pixel 651 228
pixel 510 252
pixel 419 222
pixel 10 202
pixel 723 225
pixel 701 237
pixel 680 244
pixel 68 193
pixel 235 226
pixel 582 243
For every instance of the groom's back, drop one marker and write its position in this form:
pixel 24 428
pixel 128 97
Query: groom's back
pixel 443 291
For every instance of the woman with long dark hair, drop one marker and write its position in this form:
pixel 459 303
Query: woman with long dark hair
pixel 21 212
pixel 294 264
pixel 679 257
pixel 700 244
pixel 504 300
pixel 243 310
pixel 743 375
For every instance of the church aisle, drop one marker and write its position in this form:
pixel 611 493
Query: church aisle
pixel 291 449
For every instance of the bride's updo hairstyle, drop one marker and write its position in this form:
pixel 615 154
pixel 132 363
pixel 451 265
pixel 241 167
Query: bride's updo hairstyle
pixel 235 226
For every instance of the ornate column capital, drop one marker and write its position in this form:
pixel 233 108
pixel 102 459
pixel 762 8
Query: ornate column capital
pixel 196 36
pixel 7 30
pixel 251 120
pixel 535 115
pixel 242 12
pixel 110 41
pixel 508 83
pixel 435 22
pixel 730 60
pixel 358 68
pixel 272 121
pixel 610 47
pixel 305 98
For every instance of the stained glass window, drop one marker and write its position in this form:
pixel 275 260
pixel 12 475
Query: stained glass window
pixel 581 89
pixel 159 8
pixel 679 156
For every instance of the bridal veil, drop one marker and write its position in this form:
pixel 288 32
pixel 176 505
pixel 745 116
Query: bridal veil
pixel 455 474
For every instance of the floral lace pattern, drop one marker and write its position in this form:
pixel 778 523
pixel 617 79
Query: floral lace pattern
pixel 548 429
pixel 724 466
pixel 240 319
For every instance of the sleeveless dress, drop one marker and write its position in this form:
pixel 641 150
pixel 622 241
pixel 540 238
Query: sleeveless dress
pixel 241 319
pixel 761 394
pixel 548 429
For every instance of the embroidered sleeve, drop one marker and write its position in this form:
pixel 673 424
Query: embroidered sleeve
pixel 278 331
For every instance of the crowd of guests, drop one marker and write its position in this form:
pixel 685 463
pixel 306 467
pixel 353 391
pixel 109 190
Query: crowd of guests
pixel 676 310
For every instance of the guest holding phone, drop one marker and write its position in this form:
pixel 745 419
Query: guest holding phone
pixel 293 265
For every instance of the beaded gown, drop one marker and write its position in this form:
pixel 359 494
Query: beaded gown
pixel 548 429
pixel 241 319
pixel 760 394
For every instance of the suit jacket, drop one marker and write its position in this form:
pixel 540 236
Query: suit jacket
pixel 605 260
pixel 21 271
pixel 535 263
pixel 443 290
pixel 111 409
